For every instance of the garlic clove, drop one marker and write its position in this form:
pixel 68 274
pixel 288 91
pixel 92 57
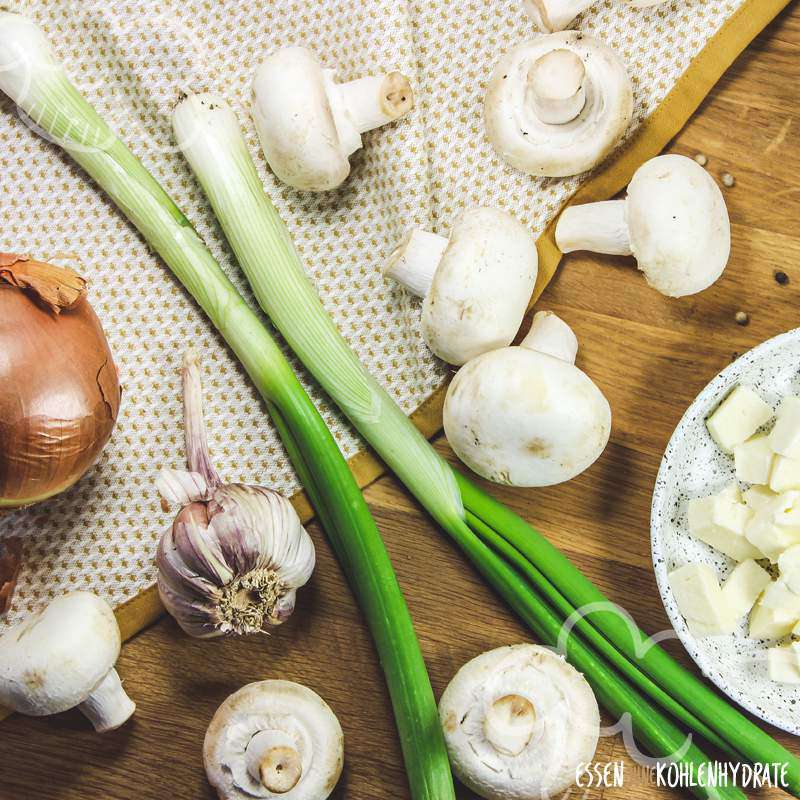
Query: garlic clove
pixel 179 487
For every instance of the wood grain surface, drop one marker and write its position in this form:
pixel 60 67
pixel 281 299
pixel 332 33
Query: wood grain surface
pixel 650 356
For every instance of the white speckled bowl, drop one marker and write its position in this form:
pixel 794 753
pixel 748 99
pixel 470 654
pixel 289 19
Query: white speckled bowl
pixel 693 466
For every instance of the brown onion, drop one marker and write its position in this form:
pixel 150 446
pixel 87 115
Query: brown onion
pixel 59 387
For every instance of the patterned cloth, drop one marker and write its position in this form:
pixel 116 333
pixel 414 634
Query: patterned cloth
pixel 132 60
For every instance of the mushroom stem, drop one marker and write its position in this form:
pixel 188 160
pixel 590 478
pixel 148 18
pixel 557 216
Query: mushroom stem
pixel 508 724
pixel 555 15
pixel 599 227
pixel 367 103
pixel 555 82
pixel 272 759
pixel 377 99
pixel 415 260
pixel 108 707
pixel 549 334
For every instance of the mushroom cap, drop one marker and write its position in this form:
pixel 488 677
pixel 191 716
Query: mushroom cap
pixel 294 711
pixel 540 148
pixel 54 659
pixel 523 418
pixel 678 225
pixel 482 286
pixel 565 731
pixel 295 122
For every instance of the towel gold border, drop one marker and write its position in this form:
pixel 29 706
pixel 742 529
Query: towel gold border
pixel 705 70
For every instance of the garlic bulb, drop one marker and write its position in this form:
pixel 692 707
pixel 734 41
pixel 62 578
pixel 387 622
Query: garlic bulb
pixel 236 554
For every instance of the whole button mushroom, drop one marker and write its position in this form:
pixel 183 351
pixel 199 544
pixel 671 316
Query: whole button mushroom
pixel 274 738
pixel 309 125
pixel 555 15
pixel 527 416
pixel 476 285
pixel 557 105
pixel 673 221
pixel 63 657
pixel 519 723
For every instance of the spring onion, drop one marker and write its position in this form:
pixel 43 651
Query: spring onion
pixel 208 133
pixel 31 76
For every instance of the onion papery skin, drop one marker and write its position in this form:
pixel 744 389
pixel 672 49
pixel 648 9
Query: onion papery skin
pixel 59 396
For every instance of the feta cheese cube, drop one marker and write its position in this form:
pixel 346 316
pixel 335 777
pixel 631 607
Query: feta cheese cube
pixel 737 418
pixel 782 665
pixel 754 459
pixel 743 586
pixel 785 474
pixel 789 566
pixel 767 535
pixel 731 493
pixel 699 598
pixel 785 436
pixel 770 623
pixel 757 496
pixel 721 523
pixel 780 597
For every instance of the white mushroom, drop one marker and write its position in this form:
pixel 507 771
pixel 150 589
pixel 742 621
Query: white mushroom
pixel 527 416
pixel 519 722
pixel 274 738
pixel 555 15
pixel 309 125
pixel 673 221
pixel 476 284
pixel 63 657
pixel 557 105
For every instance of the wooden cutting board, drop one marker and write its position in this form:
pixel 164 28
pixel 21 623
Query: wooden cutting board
pixel 650 356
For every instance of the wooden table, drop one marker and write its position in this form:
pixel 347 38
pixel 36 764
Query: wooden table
pixel 650 356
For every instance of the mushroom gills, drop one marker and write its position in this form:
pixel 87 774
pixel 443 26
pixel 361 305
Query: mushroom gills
pixel 274 738
pixel 557 105
pixel 518 722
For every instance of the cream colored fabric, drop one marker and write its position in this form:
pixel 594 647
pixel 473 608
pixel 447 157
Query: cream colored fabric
pixel 132 60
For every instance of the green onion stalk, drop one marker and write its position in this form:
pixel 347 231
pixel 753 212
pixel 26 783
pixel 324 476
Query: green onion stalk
pixel 31 76
pixel 209 136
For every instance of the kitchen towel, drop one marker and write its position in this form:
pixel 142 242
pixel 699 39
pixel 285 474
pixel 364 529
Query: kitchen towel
pixel 133 60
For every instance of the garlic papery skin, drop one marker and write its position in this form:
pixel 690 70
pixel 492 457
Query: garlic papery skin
pixel 236 554
pixel 274 739
pixel 518 722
